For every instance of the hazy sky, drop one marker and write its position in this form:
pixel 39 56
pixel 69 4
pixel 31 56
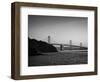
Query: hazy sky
pixel 61 29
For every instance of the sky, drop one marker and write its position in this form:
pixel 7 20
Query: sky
pixel 60 29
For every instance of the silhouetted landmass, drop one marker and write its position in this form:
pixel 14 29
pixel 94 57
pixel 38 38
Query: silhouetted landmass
pixel 36 47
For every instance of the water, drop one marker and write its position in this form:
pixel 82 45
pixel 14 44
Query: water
pixel 68 57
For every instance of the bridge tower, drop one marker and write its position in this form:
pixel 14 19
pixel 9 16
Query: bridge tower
pixel 49 39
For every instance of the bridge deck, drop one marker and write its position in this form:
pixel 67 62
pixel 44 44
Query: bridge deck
pixel 67 45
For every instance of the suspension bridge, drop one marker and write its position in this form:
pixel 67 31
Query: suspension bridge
pixel 68 54
pixel 62 46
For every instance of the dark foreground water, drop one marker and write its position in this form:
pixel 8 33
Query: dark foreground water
pixel 59 58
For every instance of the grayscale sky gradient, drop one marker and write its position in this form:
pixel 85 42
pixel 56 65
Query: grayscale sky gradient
pixel 61 29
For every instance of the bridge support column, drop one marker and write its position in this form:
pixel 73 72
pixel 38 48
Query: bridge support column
pixel 70 43
pixel 61 47
pixel 80 45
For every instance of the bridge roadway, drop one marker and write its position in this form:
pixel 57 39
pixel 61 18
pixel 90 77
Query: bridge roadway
pixel 62 45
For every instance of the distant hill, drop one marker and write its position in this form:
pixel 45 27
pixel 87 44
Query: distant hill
pixel 36 47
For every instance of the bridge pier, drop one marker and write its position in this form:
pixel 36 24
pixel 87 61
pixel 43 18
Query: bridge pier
pixel 61 47
pixel 70 43
pixel 80 45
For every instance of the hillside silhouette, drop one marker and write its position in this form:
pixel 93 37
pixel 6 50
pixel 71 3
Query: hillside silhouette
pixel 36 47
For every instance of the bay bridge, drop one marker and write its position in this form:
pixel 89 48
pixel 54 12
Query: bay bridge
pixel 66 54
pixel 62 46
